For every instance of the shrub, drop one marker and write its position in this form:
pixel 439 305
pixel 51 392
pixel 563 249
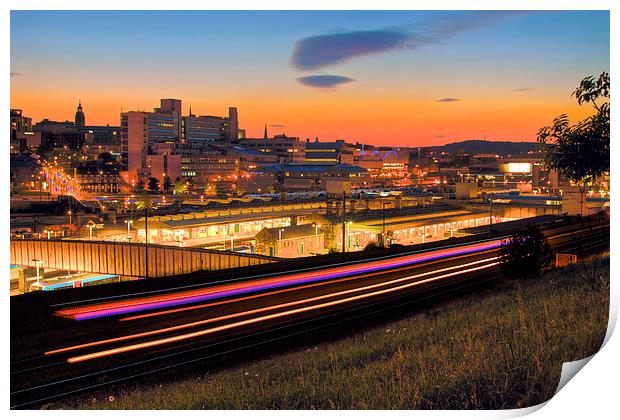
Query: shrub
pixel 371 246
pixel 526 253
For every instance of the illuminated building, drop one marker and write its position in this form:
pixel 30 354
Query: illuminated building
pixel 287 149
pixel 22 137
pixel 307 177
pixel 384 162
pixel 291 242
pixel 164 163
pixel 328 152
pixel 75 135
pixel 144 135
pixel 206 128
pixel 98 178
pixel 56 134
pixel 210 166
pixel 203 228
pixel 140 130
pixel 24 172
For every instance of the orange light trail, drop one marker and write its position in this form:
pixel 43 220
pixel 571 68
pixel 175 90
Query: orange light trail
pixel 258 310
pixel 251 321
pixel 276 292
pixel 178 298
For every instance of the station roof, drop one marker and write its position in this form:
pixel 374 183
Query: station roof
pixel 291 232
pixel 298 168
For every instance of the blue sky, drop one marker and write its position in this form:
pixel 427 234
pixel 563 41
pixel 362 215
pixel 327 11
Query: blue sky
pixel 212 59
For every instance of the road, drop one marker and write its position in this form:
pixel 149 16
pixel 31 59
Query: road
pixel 103 342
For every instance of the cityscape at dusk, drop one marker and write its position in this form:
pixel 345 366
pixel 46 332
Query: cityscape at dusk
pixel 400 77
pixel 306 210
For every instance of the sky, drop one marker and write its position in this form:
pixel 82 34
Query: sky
pixel 402 78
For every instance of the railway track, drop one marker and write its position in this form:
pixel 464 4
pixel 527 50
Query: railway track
pixel 129 345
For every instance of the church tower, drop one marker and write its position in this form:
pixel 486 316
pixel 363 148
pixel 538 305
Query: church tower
pixel 79 115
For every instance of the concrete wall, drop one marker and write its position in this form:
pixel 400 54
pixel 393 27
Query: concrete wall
pixel 127 259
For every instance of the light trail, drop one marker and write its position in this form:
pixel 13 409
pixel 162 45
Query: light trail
pixel 263 318
pixel 210 293
pixel 254 296
pixel 262 309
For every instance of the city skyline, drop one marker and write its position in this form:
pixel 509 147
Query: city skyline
pixel 384 78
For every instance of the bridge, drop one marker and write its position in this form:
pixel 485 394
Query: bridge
pixel 127 259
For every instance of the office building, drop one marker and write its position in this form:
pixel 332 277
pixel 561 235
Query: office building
pixel 208 128
pixel 77 135
pixel 22 137
pixel 140 130
pixel 288 149
pixel 328 152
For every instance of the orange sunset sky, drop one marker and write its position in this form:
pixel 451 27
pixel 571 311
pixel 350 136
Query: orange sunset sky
pixel 384 78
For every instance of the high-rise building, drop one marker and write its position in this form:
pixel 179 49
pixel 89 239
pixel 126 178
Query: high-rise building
pixel 172 107
pixel 233 128
pixel 80 119
pixel 206 128
pixel 153 142
pixel 141 130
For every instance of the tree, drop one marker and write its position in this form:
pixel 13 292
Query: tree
pixel 153 184
pixel 106 157
pixel 144 202
pixel 140 185
pixel 580 151
pixel 167 184
pixel 190 185
pixel 180 188
pixel 526 253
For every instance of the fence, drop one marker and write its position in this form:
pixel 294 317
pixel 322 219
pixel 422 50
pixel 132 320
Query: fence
pixel 127 259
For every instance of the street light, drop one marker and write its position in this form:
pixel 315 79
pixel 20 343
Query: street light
pixel 90 233
pixel 490 216
pixel 69 214
pixel 316 232
pixel 129 222
pixel 383 224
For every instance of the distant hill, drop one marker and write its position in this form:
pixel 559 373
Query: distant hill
pixel 485 146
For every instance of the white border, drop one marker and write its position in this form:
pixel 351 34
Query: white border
pixel 593 394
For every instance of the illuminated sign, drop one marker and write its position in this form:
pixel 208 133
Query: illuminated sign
pixel 516 167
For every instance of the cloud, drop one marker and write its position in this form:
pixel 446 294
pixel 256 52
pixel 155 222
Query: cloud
pixel 277 125
pixel 324 81
pixel 319 51
pixel 448 100
pixel 316 52
pixel 523 89
pixel 15 74
pixel 440 136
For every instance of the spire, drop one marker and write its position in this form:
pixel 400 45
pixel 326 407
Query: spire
pixel 190 111
pixel 79 115
pixel 265 135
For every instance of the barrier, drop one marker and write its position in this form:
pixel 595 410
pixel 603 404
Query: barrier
pixel 127 259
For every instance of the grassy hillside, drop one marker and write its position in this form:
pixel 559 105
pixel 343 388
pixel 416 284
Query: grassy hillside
pixel 502 348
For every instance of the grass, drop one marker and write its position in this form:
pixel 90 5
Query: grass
pixel 502 348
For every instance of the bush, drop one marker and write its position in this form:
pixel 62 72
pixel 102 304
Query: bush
pixel 371 246
pixel 526 253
